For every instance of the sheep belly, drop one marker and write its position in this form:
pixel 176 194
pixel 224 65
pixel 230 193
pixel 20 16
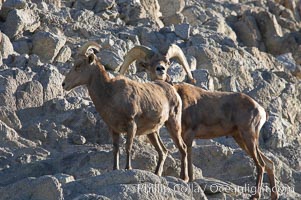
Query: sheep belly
pixel 208 132
pixel 152 120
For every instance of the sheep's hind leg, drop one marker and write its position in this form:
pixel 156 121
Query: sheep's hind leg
pixel 270 169
pixel 132 128
pixel 250 144
pixel 188 137
pixel 155 139
pixel 115 138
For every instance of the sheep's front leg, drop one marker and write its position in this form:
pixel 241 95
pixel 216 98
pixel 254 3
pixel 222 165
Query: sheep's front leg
pixel 132 128
pixel 155 139
pixel 115 138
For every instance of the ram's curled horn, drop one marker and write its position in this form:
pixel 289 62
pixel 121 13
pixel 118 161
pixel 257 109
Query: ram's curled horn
pixel 87 46
pixel 136 53
pixel 174 51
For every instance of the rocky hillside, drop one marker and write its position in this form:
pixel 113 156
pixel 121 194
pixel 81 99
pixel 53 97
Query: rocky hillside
pixel 54 145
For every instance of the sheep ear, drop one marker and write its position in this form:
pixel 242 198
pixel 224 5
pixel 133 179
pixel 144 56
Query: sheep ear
pixel 91 58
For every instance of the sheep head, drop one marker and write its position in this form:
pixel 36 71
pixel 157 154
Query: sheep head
pixel 155 63
pixel 140 53
pixel 82 70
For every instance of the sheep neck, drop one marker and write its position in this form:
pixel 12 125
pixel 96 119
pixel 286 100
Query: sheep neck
pixel 100 88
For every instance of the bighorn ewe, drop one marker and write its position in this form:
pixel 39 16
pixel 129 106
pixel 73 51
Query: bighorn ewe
pixel 130 107
pixel 156 63
pixel 207 115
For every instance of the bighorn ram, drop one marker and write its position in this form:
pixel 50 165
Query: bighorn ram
pixel 156 63
pixel 130 107
pixel 207 115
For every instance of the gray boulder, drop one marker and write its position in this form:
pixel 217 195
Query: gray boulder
pixel 51 80
pixel 216 189
pixel 29 95
pixel 272 33
pixel 10 118
pixel 9 5
pixel 225 62
pixel 169 8
pixel 290 64
pixel 19 21
pixel 56 3
pixel 94 162
pixel 286 13
pixel 275 132
pixel 176 72
pixel 65 117
pixel 206 17
pixel 203 79
pixel 130 184
pixel 46 187
pixel 47 45
pixel 10 139
pixel 171 11
pixel 182 31
pixel 95 5
pixel 267 86
pixel 87 24
pixel 6 47
pixel 10 80
pixel 64 54
pixel 224 163
pixel 110 59
pixel 144 11
pixel 22 45
pixel 248 32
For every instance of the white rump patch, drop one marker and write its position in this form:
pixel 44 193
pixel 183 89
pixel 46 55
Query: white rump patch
pixel 263 115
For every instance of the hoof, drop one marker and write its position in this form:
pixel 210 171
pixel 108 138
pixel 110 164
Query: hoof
pixel 255 197
pixel 185 179
pixel 274 196
pixel 158 172
pixel 191 179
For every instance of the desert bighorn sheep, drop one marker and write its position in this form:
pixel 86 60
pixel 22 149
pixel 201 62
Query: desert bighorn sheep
pixel 207 115
pixel 156 63
pixel 130 107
